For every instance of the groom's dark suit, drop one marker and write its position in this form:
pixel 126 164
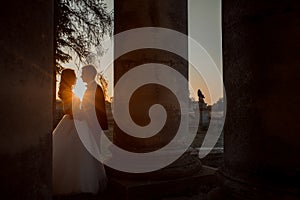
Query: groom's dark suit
pixel 94 99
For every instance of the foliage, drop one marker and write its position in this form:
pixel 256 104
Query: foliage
pixel 104 85
pixel 80 27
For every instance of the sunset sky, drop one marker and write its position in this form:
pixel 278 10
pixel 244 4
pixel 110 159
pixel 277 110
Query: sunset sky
pixel 204 28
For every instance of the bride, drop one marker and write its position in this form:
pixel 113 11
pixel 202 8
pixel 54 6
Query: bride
pixel 75 170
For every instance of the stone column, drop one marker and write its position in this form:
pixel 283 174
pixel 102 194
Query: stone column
pixel 261 74
pixel 27 99
pixel 130 14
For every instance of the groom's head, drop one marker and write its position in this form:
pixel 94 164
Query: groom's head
pixel 88 73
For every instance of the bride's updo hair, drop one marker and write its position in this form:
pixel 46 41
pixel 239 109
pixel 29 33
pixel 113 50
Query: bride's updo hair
pixel 67 81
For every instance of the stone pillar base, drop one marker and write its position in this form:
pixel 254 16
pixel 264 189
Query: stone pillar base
pixel 129 189
pixel 187 165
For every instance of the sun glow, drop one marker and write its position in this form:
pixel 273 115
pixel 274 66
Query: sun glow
pixel 79 88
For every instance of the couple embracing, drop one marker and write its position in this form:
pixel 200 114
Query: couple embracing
pixel 75 170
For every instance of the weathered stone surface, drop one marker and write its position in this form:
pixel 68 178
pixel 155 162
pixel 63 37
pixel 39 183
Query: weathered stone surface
pixel 261 74
pixel 27 98
pixel 130 14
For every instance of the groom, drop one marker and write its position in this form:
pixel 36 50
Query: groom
pixel 93 99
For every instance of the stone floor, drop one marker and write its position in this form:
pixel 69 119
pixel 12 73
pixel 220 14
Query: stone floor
pixel 110 196
pixel 198 193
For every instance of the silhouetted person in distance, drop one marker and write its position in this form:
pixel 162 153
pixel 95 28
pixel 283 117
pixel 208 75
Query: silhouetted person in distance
pixel 93 90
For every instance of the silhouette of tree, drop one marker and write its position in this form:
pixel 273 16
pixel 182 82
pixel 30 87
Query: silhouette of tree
pixel 80 26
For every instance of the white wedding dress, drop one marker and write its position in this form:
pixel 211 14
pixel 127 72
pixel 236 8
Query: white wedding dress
pixel 75 170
